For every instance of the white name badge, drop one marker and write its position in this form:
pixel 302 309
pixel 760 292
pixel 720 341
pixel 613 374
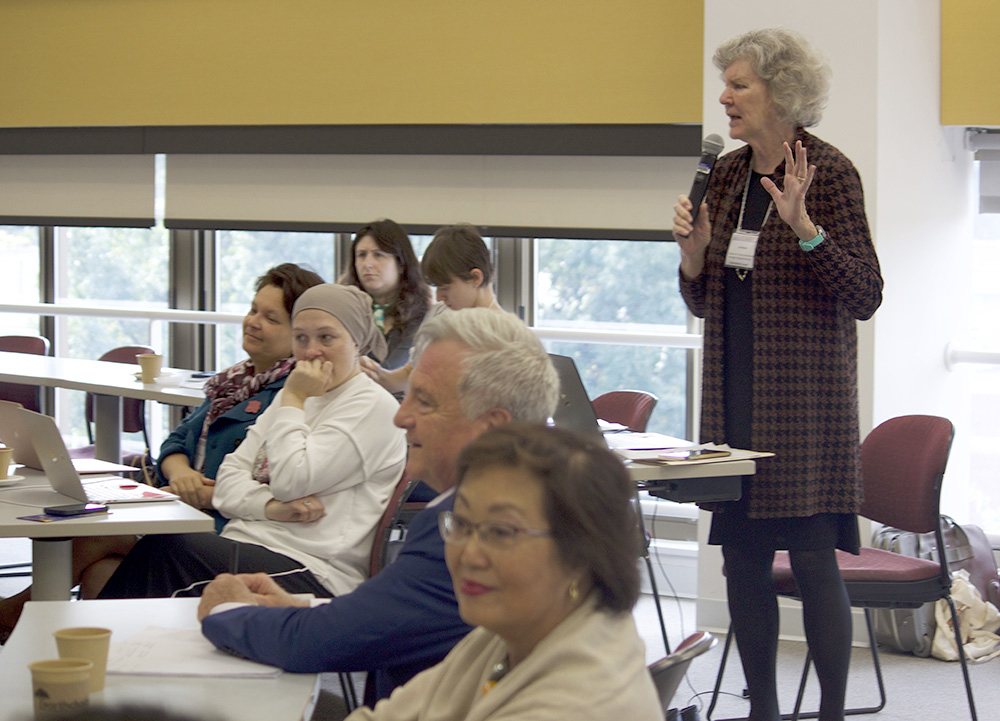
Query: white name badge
pixel 742 248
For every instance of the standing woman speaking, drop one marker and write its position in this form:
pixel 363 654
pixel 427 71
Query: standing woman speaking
pixel 780 264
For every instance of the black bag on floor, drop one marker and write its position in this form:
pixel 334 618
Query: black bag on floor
pixel 912 630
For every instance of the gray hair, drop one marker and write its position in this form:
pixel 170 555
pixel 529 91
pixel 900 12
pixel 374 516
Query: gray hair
pixel 795 74
pixel 507 367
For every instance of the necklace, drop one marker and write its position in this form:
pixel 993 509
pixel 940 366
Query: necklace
pixel 496 674
pixel 742 273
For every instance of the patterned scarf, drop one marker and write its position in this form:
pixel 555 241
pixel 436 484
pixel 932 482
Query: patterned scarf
pixel 237 383
pixel 379 311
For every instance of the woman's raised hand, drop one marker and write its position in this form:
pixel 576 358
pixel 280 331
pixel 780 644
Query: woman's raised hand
pixel 791 202
pixel 372 369
pixel 308 378
pixel 693 238
pixel 394 381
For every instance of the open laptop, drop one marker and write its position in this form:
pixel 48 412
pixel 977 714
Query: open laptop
pixel 51 451
pixel 13 434
pixel 575 412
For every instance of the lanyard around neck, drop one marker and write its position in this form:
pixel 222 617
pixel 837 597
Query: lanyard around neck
pixel 743 204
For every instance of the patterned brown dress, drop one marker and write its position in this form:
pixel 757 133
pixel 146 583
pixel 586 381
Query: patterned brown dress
pixel 803 310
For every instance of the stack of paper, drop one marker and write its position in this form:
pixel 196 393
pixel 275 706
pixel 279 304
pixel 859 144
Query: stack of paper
pixel 660 456
pixel 179 652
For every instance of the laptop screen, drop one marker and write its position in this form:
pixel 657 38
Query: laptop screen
pixel 574 410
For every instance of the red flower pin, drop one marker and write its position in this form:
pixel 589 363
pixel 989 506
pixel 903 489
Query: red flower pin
pixel 253 406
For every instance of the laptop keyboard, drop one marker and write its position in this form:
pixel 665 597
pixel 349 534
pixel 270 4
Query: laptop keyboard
pixel 102 494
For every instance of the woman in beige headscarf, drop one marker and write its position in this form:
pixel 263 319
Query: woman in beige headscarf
pixel 306 488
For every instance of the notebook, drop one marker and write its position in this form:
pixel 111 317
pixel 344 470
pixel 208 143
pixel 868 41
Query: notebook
pixel 575 412
pixel 51 451
pixel 12 433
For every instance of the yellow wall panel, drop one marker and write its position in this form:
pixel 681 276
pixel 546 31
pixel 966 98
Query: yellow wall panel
pixel 970 60
pixel 249 62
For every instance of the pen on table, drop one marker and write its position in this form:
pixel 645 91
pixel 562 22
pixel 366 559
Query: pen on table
pixel 234 559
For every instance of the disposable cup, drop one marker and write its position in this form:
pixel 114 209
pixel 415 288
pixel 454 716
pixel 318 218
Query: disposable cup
pixel 151 363
pixel 60 686
pixel 5 459
pixel 88 643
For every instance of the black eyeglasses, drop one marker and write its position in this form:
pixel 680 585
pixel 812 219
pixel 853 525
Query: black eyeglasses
pixel 498 536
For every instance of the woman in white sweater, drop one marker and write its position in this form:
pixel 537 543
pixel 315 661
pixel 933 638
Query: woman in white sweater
pixel 306 488
pixel 541 546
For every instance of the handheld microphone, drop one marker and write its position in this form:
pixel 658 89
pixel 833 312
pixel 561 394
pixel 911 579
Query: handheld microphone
pixel 711 146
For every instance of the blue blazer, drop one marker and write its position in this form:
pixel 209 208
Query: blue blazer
pixel 226 432
pixel 396 624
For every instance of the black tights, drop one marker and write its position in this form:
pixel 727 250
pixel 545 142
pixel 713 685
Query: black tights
pixel 826 616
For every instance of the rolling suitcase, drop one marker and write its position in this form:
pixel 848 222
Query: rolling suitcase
pixel 912 630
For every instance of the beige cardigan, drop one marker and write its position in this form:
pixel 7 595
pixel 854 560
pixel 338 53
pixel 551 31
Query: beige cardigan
pixel 590 667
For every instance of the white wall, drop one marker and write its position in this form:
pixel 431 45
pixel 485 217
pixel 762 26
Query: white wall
pixel 884 115
pixel 927 204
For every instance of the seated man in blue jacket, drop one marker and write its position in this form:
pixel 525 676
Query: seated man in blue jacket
pixel 474 369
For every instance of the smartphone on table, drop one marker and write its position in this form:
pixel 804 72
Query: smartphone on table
pixel 76 509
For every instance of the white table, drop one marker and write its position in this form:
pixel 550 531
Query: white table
pixel 52 543
pixel 289 697
pixel 109 382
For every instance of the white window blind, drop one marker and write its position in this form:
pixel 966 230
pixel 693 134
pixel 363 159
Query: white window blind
pixel 89 190
pixel 501 191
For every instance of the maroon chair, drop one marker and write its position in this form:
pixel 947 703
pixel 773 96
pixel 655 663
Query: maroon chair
pixel 389 522
pixel 394 518
pixel 133 409
pixel 629 408
pixel 902 463
pixel 28 396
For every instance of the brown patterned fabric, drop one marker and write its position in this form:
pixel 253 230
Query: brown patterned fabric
pixel 805 305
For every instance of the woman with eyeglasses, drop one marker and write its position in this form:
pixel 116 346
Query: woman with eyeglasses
pixel 541 547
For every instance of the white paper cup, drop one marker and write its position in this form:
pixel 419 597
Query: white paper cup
pixel 88 643
pixel 60 686
pixel 151 363
pixel 5 460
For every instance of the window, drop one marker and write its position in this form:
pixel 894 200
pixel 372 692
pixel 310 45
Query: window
pixel 19 247
pixel 420 243
pixel 117 267
pixel 243 256
pixel 975 454
pixel 602 286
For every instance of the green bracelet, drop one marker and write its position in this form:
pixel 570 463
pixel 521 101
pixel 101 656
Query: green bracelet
pixel 808 245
